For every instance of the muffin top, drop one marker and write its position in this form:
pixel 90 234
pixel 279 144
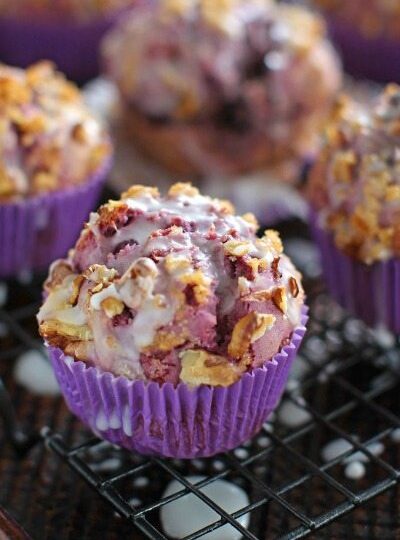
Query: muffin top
pixel 243 63
pixel 171 289
pixel 372 17
pixel 70 9
pixel 48 139
pixel 355 182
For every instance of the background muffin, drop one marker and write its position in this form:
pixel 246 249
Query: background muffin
pixel 170 294
pixel 67 33
pixel 367 33
pixel 223 87
pixel 355 193
pixel 52 152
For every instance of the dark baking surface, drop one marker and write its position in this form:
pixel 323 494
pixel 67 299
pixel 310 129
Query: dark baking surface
pixel 50 501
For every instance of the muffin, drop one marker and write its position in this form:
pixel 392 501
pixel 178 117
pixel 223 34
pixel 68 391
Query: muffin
pixel 69 34
pixel 367 33
pixel 54 157
pixel 172 327
pixel 223 87
pixel 354 192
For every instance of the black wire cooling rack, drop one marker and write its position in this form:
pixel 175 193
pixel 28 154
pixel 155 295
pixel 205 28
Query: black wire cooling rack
pixel 345 386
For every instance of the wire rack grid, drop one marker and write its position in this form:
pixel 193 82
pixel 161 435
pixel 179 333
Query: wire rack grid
pixel 345 387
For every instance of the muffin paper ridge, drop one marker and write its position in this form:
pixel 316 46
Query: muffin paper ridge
pixel 179 422
pixel 73 47
pixel 37 230
pixel 374 58
pixel 369 292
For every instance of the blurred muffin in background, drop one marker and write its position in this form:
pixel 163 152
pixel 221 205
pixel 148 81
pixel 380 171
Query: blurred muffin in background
pixel 67 33
pixel 54 156
pixel 354 192
pixel 223 87
pixel 367 33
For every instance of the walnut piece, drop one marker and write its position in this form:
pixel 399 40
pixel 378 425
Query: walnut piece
pixel 251 220
pixel 138 190
pixel 183 188
pixel 112 306
pixel 58 272
pixel 76 287
pixel 280 299
pixel 294 287
pixel 200 284
pixel 202 367
pixel 49 329
pixel 237 248
pixel 247 330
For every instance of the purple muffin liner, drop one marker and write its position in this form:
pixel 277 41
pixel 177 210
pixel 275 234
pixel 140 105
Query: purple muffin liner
pixel 376 58
pixel 36 231
pixel 179 422
pixel 369 292
pixel 72 46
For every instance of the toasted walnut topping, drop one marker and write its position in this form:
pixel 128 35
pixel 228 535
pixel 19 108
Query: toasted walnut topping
pixel 51 328
pixel 58 272
pixel 76 288
pixel 182 188
pixel 44 181
pixel 257 265
pixel 112 306
pixel 343 165
pixel 143 267
pixel 276 274
pixel 251 220
pixel 13 92
pixel 176 263
pixel 202 367
pixel 280 299
pixel 140 191
pixel 294 287
pixel 80 350
pixel 79 133
pixel 393 193
pixel 165 341
pixel 237 248
pixel 274 240
pixel 200 284
pixel 247 330
pixel 259 296
pixel 99 273
pixel 175 7
pixel 226 207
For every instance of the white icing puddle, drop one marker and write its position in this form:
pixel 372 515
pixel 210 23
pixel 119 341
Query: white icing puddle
pixel 291 415
pixel 34 372
pixel 384 337
pixel 3 293
pixel 108 465
pixel 355 470
pixel 395 435
pixel 335 449
pixel 189 513
pixel 355 463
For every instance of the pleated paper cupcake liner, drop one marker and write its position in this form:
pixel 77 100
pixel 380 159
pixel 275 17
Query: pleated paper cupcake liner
pixel 376 58
pixel 369 292
pixel 72 46
pixel 179 422
pixel 36 231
